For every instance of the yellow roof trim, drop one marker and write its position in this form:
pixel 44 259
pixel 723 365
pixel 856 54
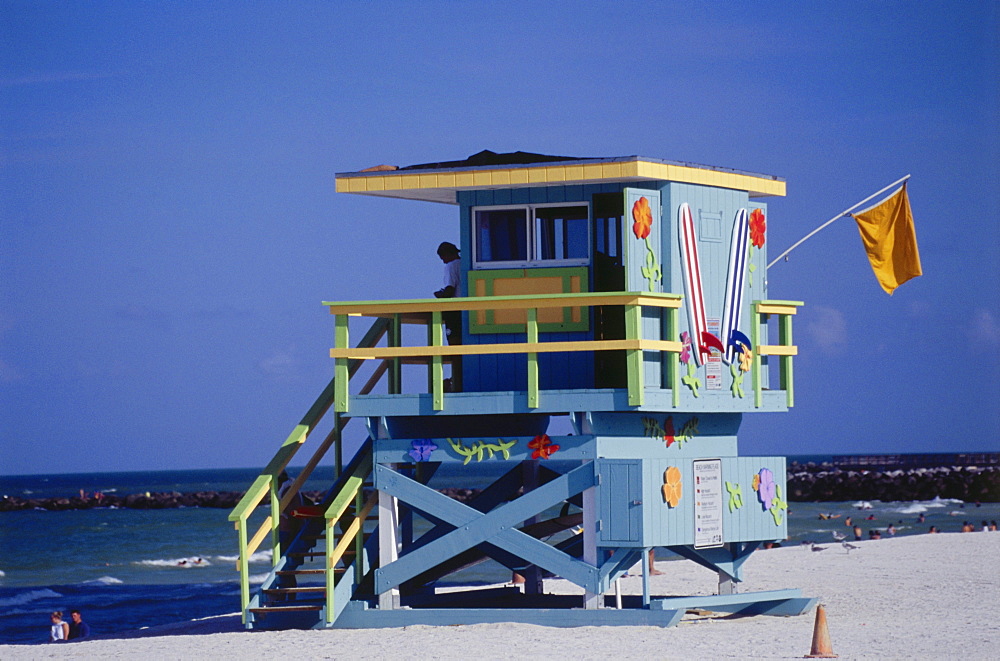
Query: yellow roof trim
pixel 443 185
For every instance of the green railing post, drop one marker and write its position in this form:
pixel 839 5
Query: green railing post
pixel 395 340
pixel 275 522
pixel 787 377
pixel 756 321
pixel 330 573
pixel 633 331
pixel 436 339
pixel 532 328
pixel 673 366
pixel 359 539
pixel 241 529
pixel 341 340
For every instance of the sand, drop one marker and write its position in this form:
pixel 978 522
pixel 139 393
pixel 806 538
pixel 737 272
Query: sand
pixel 926 596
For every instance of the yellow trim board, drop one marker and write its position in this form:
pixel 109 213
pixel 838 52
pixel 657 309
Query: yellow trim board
pixel 442 186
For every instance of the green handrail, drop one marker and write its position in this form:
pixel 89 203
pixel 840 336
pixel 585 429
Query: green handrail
pixel 267 482
pixel 429 311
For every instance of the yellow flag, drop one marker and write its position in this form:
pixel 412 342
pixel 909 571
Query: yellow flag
pixel 890 240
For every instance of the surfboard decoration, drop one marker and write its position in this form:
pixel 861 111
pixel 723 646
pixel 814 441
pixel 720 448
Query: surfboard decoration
pixel 732 313
pixel 695 297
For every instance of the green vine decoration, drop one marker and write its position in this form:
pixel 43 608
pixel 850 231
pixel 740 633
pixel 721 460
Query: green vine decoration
pixel 651 271
pixel 737 386
pixel 777 504
pixel 735 495
pixel 688 431
pixel 481 448
pixel 691 381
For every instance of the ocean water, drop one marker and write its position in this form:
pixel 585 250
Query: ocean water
pixel 127 569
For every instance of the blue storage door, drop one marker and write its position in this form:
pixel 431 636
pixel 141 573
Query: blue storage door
pixel 620 494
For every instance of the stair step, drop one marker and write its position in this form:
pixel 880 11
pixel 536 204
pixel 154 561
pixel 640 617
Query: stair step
pixel 316 554
pixel 303 590
pixel 264 610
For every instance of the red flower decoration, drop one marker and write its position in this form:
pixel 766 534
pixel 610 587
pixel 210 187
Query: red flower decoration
pixel 542 446
pixel 669 435
pixel 643 217
pixel 758 228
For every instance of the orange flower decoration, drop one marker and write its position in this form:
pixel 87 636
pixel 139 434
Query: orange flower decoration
pixel 542 446
pixel 672 486
pixel 756 481
pixel 643 217
pixel 758 228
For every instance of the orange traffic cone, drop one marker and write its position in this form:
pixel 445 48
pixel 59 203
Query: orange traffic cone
pixel 821 647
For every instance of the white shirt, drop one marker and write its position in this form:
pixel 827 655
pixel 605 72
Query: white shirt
pixel 452 275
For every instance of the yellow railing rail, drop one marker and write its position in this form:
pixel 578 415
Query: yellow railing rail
pixel 430 311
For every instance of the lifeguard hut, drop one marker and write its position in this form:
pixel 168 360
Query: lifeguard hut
pixel 614 334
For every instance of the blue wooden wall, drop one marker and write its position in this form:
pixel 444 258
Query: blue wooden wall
pixel 714 211
pixel 634 513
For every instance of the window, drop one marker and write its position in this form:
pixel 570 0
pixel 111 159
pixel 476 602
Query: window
pixel 532 235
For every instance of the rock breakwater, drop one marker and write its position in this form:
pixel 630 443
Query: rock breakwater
pixel 828 483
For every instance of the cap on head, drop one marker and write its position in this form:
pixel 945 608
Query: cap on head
pixel 447 248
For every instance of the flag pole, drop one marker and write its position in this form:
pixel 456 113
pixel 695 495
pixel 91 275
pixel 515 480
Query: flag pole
pixel 837 217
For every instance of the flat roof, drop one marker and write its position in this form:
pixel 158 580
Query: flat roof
pixel 440 182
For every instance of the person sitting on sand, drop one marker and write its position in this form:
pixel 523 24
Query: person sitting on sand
pixel 60 630
pixel 993 526
pixel 933 531
pixel 78 628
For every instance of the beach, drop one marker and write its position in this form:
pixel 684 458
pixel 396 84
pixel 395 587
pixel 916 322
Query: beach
pixel 921 596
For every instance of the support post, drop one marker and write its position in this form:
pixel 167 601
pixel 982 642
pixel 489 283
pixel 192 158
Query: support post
pixel 533 576
pixel 388 525
pixel 591 600
pixel 645 576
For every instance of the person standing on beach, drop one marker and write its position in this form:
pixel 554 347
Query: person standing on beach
pixel 60 630
pixel 78 628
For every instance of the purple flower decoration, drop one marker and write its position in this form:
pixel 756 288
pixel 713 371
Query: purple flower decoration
pixel 767 487
pixel 686 351
pixel 422 449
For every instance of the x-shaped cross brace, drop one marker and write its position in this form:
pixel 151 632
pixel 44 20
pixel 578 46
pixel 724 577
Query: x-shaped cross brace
pixel 496 527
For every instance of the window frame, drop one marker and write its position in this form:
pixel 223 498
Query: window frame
pixel 530 220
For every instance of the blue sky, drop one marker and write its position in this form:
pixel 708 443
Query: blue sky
pixel 169 227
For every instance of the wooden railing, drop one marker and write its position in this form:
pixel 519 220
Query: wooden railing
pixel 430 312
pixel 352 534
pixel 266 484
pixel 784 310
